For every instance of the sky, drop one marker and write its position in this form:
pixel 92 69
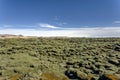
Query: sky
pixel 72 18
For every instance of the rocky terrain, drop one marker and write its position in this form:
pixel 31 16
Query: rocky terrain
pixel 60 59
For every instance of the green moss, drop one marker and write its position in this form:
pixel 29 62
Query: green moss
pixel 33 55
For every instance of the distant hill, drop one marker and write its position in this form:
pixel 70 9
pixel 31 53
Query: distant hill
pixel 4 36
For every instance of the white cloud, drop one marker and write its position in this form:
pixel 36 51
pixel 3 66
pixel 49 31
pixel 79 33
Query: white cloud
pixel 116 22
pixel 44 25
pixel 71 32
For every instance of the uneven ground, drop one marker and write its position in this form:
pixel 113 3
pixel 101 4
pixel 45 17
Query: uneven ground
pixel 29 58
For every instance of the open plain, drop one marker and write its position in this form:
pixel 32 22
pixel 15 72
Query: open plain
pixel 59 58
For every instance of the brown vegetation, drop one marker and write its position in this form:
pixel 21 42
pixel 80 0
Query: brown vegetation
pixel 16 77
pixel 109 77
pixel 52 76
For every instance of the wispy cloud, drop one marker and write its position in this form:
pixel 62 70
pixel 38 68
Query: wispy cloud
pixel 70 32
pixel 7 26
pixel 56 18
pixel 62 23
pixel 116 22
pixel 45 25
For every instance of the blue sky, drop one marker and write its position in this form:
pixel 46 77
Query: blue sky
pixel 59 15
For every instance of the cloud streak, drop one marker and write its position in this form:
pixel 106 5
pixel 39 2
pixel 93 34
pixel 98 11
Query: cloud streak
pixel 44 25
